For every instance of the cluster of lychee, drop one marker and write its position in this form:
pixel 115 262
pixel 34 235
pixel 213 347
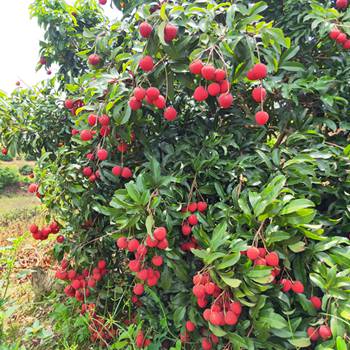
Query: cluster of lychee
pixel 340 37
pixel 259 72
pixel 43 234
pixel 219 86
pixel 93 120
pixel 145 274
pixel 141 341
pixel 323 332
pixel 170 31
pixel 190 222
pixel 81 284
pixel 73 105
pixel 153 97
pixel 208 340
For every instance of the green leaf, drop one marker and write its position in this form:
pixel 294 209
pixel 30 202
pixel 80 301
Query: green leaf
pixel 300 342
pixel 219 236
pixel 232 282
pixel 295 205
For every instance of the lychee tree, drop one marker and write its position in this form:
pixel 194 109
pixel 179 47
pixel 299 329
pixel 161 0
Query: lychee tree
pixel 202 198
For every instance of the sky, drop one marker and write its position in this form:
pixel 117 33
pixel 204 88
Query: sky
pixel 19 42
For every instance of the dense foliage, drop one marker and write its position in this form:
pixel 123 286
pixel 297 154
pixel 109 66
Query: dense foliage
pixel 115 170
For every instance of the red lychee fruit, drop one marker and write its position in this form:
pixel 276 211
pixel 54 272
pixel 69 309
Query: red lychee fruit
pixel 333 34
pixel 214 89
pixel 117 170
pixel 252 253
pixel 94 59
pixel 170 32
pixel 92 119
pixel 193 220
pixel 69 103
pixel 138 289
pixel 225 100
pixel 190 326
pixel 208 72
pixel 152 93
pixel 186 229
pixel 135 104
pixel 170 114
pixel 260 71
pixel 259 94
pixel 272 259
pixel 145 29
pixel 160 102
pixel 157 260
pixel 297 287
pixel 341 4
pixel 122 242
pixel 146 63
pixel 316 302
pixel 313 333
pixel 220 75
pixel 262 118
pixel 196 67
pixel 202 206
pixel 139 93
pixel 325 332
pixel 126 173
pixel 200 94
pixel 102 154
pixel 160 233
pixel 86 135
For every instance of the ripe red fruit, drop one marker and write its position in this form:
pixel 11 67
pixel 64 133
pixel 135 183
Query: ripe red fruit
pixel 272 259
pixel 297 287
pixel 186 229
pixel 104 120
pixel 60 239
pixel 236 307
pixel 193 220
pixel 42 60
pixel 199 291
pixel 69 103
pixel 33 228
pixel 316 302
pixel 101 264
pixel 142 275
pixel 134 104
pixel 251 75
pixel 313 333
pixel 259 94
pixel 208 72
pixel 170 114
pixel 102 154
pixel 87 171
pixel 261 118
pixel 146 63
pixel 160 233
pixel 220 75
pixel 94 59
pixel 133 245
pixel 145 29
pixel 138 289
pixel 170 32
pixel 224 86
pixel 202 206
pixel 252 253
pixel 341 4
pixel 262 252
pixel 210 288
pixel 92 119
pixel 157 260
pixel 190 326
pixel 341 38
pixel 102 2
pixel 286 285
pixel 230 318
pixel 260 261
pixel 160 102
pixel 134 265
pixel 260 71
pixel 333 34
pixel 91 283
pixel 126 173
pixel 117 170
pixel 152 93
pixel 150 242
pixel 33 188
pixel 206 345
pixel 139 93
pixel 325 332
pixel 196 67
pixel 225 100
pixel 105 131
pixel 200 94
pixel 76 284
pixel 85 135
pixel 214 89
pixel 346 45
pixel 164 244
pixel 92 178
pixel 4 151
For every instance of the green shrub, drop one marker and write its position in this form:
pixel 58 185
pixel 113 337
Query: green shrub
pixel 26 170
pixel 5 158
pixel 8 177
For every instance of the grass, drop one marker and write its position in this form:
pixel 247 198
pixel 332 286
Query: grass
pixel 16 164
pixel 19 201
